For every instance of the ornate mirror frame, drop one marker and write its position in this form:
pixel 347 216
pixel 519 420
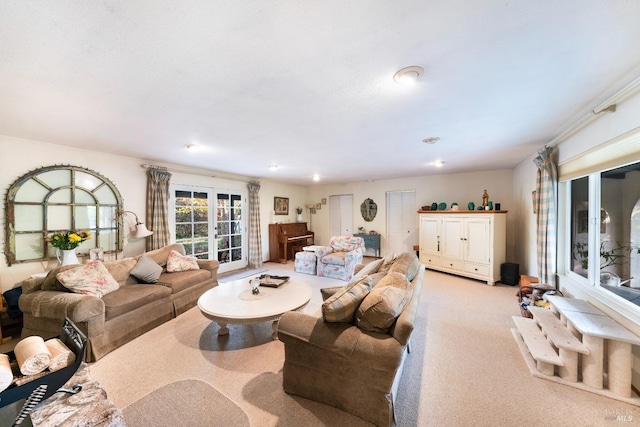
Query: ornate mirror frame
pixel 368 209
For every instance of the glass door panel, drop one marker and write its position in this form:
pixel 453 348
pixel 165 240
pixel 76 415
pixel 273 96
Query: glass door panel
pixel 230 231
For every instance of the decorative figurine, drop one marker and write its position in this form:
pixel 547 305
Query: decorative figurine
pixel 485 199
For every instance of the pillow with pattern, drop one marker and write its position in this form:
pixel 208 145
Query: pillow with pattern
pixel 177 262
pixel 92 278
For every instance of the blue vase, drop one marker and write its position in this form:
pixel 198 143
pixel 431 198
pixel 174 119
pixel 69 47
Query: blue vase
pixel 471 206
pixel 490 205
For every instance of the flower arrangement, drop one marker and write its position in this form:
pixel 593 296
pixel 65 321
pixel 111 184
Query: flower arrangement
pixel 68 240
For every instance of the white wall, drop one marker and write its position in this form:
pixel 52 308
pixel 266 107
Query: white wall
pixel 20 156
pixel 449 188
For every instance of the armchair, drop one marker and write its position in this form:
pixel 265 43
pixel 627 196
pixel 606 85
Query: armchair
pixel 339 259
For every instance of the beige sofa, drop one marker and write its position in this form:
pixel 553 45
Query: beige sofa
pixel 342 364
pixel 119 316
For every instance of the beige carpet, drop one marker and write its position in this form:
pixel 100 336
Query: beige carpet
pixel 465 368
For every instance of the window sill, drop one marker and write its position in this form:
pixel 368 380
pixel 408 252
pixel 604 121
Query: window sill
pixel 619 309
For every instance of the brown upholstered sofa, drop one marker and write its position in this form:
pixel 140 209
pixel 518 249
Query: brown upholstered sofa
pixel 119 316
pixel 342 364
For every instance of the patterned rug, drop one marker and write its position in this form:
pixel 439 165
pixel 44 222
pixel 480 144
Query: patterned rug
pixel 185 403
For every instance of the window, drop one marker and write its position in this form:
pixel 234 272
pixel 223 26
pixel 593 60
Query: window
pixel 57 199
pixel 192 222
pixel 605 230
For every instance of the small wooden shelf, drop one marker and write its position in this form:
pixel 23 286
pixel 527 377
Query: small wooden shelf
pixel 460 211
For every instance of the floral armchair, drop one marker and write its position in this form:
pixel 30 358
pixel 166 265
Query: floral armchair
pixel 339 259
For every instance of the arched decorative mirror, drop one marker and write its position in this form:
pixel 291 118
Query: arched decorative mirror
pixel 368 209
pixel 60 198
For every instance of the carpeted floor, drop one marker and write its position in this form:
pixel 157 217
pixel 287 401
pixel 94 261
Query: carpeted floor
pixel 464 369
pixel 241 274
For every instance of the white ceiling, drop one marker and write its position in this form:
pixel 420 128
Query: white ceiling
pixel 308 85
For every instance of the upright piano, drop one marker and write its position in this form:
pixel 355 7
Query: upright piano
pixel 282 237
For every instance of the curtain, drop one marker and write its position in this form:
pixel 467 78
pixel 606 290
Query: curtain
pixel 158 207
pixel 255 240
pixel 546 217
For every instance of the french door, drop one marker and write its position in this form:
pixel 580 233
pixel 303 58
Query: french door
pixel 210 223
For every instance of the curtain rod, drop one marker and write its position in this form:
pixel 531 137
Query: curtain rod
pixel 199 172
pixel 608 105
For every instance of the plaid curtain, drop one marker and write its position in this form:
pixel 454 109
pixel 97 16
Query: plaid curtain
pixel 158 207
pixel 546 219
pixel 255 241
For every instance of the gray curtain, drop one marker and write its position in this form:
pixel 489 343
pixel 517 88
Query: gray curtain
pixel 547 213
pixel 158 207
pixel 255 241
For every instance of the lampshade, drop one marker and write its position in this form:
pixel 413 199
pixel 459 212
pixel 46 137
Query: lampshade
pixel 142 231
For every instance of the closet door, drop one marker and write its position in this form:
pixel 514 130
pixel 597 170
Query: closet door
pixel 341 215
pixel 402 232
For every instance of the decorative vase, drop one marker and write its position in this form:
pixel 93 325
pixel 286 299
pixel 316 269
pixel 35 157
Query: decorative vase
pixel 69 257
pixel 299 218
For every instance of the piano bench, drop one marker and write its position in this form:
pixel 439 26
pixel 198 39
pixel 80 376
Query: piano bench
pixel 295 249
pixel 305 262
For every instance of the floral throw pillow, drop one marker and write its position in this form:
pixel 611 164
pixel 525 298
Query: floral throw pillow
pixel 178 262
pixel 92 278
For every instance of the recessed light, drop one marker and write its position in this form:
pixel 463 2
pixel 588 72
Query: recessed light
pixel 273 168
pixel 438 163
pixel 408 75
pixel 316 177
pixel 431 140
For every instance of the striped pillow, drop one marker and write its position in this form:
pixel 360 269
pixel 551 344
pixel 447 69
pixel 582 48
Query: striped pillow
pixel 342 306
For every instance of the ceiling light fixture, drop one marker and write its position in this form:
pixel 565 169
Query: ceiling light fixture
pixel 273 168
pixel 431 140
pixel 191 147
pixel 316 177
pixel 438 163
pixel 408 75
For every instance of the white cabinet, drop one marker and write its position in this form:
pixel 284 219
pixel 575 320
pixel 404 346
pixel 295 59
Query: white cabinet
pixel 465 243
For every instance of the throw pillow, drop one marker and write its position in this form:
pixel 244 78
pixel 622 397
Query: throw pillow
pixel 341 306
pixel 178 262
pixel 406 263
pixel 395 279
pixel 387 262
pixel 91 278
pixel 51 282
pixel 147 270
pixel 380 308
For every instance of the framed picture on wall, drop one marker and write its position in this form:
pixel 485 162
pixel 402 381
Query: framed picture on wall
pixel 281 205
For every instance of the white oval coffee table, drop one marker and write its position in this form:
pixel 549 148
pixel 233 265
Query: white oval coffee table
pixel 233 303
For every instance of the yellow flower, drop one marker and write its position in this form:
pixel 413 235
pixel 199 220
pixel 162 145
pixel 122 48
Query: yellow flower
pixel 73 237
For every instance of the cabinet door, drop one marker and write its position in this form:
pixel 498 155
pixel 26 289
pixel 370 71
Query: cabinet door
pixel 430 235
pixel 452 238
pixel 478 243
